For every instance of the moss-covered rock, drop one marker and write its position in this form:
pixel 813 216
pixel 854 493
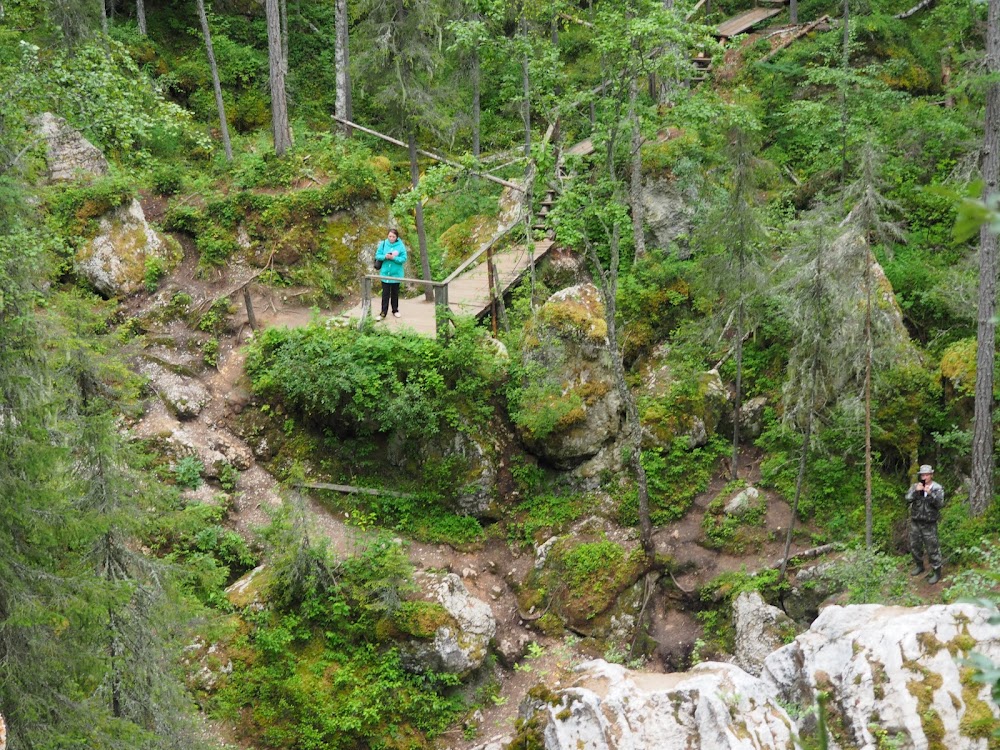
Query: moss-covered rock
pixel 115 261
pixel 568 410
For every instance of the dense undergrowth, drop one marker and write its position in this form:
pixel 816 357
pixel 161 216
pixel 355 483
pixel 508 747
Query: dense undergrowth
pixel 319 665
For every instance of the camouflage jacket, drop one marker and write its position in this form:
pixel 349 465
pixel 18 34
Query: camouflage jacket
pixel 925 505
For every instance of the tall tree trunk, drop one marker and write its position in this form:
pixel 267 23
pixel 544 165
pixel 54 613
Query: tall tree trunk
pixel 609 290
pixel 845 66
pixel 283 13
pixel 342 63
pixel 793 11
pixel 981 485
pixel 799 479
pixel 635 189
pixel 475 104
pixel 425 264
pixel 276 79
pixel 526 86
pixel 140 14
pixel 738 401
pixel 216 83
pixel 104 19
pixel 869 356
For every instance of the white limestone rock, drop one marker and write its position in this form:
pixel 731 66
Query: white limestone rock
pixel 895 668
pixel 68 154
pixel 760 630
pixel 459 646
pixel 717 706
pixel 114 262
pixel 183 396
pixel 743 502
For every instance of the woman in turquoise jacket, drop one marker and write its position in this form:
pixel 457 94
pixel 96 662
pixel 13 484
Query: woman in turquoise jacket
pixel 392 252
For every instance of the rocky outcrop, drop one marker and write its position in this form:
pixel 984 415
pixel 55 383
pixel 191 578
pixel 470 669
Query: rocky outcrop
pixel 669 213
pixel 68 155
pixel 744 503
pixel 716 706
pixel 893 675
pixel 459 642
pixel 760 630
pixel 670 409
pixel 249 591
pixel 114 262
pixel 571 410
pixel 185 397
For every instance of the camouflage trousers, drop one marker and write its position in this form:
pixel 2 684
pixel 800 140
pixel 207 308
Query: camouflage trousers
pixel 924 535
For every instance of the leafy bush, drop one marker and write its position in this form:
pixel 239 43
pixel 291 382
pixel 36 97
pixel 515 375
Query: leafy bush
pixel 871 577
pixel 187 472
pixel 979 581
pixel 167 179
pixel 154 270
pixel 362 383
pixel 315 672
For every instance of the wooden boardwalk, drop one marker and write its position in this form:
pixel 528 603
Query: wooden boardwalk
pixel 745 21
pixel 469 294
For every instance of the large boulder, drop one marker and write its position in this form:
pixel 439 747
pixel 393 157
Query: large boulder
pixel 672 406
pixel 760 630
pixel 570 410
pixel 669 212
pixel 114 262
pixel 451 635
pixel 608 707
pixel 185 397
pixel 68 154
pixel 894 675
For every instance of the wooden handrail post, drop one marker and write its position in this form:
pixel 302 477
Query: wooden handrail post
pixel 251 318
pixel 366 300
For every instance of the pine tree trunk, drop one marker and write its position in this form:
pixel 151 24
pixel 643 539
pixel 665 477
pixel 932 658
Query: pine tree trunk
pixel 140 14
pixel 793 11
pixel 799 481
pixel 981 484
pixel 104 19
pixel 845 63
pixel 869 356
pixel 476 112
pixel 738 401
pixel 635 191
pixel 276 79
pixel 609 290
pixel 526 87
pixel 216 83
pixel 425 265
pixel 342 61
pixel 283 8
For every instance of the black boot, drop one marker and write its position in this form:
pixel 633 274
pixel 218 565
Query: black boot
pixel 935 576
pixel 917 569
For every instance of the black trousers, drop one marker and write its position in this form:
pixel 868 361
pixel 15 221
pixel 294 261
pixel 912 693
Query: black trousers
pixel 390 293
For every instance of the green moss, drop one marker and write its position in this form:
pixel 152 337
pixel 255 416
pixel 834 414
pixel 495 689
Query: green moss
pixel 958 367
pixel 421 619
pixel 923 690
pixel 576 318
pixel 978 721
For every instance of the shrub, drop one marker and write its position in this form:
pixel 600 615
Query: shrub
pixel 167 179
pixel 187 472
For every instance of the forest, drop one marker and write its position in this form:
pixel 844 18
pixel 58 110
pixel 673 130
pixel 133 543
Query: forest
pixel 693 291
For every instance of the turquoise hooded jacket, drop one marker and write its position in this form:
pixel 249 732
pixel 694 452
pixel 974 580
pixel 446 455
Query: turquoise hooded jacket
pixel 392 268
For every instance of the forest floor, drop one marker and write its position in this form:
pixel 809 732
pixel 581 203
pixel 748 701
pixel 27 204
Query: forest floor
pixel 491 572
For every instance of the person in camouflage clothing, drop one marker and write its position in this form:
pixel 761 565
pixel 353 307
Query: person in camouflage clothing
pixel 926 498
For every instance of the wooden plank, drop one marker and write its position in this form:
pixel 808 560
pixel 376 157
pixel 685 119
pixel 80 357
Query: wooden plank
pixel 745 21
pixel 348 489
pixel 797 35
pixel 583 148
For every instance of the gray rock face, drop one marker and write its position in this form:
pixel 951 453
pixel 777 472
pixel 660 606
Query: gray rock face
pixel 574 380
pixel 184 397
pixel 896 668
pixel 479 491
pixel 662 422
pixel 114 262
pixel 760 630
pixel 68 154
pixel 458 648
pixel 717 706
pixel 669 213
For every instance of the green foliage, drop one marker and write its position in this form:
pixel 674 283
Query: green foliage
pixel 216 320
pixel 76 208
pixel 155 270
pixel 313 673
pixel 364 383
pixel 187 472
pixel 675 478
pixel 167 179
pixel 979 581
pixel 544 514
pixel 871 576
